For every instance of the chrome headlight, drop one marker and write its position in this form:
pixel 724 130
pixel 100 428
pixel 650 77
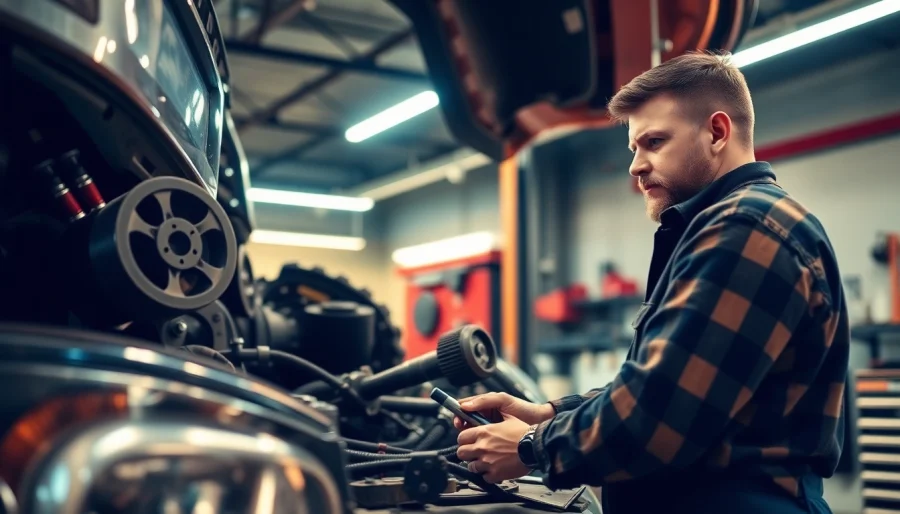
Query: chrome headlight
pixel 113 427
pixel 174 466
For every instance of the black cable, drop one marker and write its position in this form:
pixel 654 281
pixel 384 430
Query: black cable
pixel 392 464
pixel 382 456
pixel 374 447
pixel 410 441
pixel 206 351
pixel 435 434
pixel 305 365
pixel 380 466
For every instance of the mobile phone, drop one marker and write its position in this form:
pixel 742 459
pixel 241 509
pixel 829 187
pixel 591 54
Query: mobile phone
pixel 472 418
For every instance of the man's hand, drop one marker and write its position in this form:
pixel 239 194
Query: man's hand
pixel 494 406
pixel 493 450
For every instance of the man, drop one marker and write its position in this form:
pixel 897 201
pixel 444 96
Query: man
pixel 730 399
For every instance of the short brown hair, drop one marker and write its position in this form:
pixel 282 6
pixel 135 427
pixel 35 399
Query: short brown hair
pixel 703 82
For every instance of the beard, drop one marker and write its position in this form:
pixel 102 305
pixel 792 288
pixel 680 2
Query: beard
pixel 674 188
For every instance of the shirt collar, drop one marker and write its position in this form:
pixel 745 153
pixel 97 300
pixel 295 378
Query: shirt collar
pixel 685 211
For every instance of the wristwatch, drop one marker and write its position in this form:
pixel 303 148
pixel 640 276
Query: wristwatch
pixel 527 453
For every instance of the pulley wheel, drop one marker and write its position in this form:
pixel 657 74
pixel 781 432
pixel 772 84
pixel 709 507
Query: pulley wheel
pixel 240 297
pixel 165 246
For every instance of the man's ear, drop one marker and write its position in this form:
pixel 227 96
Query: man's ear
pixel 720 126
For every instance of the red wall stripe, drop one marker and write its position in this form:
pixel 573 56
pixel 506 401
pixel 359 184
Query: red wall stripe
pixel 830 138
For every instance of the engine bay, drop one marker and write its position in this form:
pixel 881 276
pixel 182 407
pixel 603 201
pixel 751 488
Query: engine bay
pixel 152 371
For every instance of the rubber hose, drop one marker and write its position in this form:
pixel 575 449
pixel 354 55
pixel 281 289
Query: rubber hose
pixel 437 431
pixel 305 365
pixel 410 441
pixel 206 351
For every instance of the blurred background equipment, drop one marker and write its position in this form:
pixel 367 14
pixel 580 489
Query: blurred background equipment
pixel 450 283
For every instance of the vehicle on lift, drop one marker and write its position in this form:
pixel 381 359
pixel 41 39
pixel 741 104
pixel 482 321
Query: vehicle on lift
pixel 147 368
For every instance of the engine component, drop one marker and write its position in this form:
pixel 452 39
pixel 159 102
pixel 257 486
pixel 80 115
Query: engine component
pixel 328 409
pixel 86 191
pixel 348 322
pixel 183 422
pixel 164 248
pixel 66 202
pixel 297 287
pixel 425 478
pixel 212 327
pixel 377 493
pixel 240 297
pixel 463 356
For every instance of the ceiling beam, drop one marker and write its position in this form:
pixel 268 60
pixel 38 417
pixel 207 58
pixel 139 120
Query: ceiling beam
pixel 306 58
pixel 260 30
pixel 392 138
pixel 327 78
pixel 267 23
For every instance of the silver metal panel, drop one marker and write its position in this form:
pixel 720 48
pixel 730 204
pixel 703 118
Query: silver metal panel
pixel 179 464
pixel 157 48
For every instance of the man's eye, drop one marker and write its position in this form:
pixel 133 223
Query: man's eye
pixel 653 142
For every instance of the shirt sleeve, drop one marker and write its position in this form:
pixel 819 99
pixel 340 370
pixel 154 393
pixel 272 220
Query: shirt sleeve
pixel 573 401
pixel 736 296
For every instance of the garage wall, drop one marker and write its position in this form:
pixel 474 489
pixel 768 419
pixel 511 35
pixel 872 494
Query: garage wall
pixel 435 212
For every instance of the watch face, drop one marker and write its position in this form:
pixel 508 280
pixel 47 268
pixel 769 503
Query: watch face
pixel 526 451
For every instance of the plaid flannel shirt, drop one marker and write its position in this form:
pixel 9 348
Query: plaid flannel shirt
pixel 741 366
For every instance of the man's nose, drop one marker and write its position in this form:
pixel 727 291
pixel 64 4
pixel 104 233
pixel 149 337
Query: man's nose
pixel 639 166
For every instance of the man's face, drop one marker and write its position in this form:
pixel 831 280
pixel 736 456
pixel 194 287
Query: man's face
pixel 670 158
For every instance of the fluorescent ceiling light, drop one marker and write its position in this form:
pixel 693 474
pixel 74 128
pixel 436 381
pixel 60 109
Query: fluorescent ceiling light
pixel 273 237
pixel 816 32
pixel 398 183
pixel 392 116
pixel 298 199
pixel 445 250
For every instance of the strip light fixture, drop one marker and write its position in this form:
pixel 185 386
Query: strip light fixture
pixel 273 237
pixel 298 199
pixel 445 250
pixel 816 32
pixel 392 116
